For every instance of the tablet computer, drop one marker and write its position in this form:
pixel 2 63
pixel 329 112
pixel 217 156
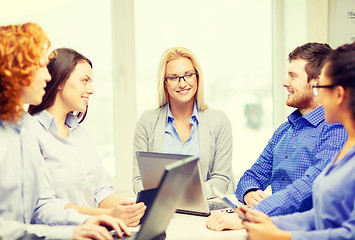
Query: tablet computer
pixel 229 203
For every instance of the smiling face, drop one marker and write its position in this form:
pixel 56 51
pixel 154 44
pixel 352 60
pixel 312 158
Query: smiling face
pixel 75 93
pixel 300 93
pixel 181 91
pixel 33 93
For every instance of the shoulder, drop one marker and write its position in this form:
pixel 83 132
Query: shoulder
pixel 150 117
pixel 151 113
pixel 334 131
pixel 279 132
pixel 214 115
pixel 214 120
pixel 33 124
pixel 283 127
pixel 8 134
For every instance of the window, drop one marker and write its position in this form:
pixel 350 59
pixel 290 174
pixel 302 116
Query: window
pixel 86 27
pixel 233 41
pixel 242 47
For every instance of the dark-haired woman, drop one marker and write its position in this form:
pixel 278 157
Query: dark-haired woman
pixel 70 153
pixel 333 214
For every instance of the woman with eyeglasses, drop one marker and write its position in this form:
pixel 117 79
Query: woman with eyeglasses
pixel 184 124
pixel 77 173
pixel 333 213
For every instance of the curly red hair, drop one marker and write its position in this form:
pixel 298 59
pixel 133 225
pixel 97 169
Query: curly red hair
pixel 21 48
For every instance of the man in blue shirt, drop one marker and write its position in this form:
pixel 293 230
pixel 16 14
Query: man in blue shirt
pixel 299 149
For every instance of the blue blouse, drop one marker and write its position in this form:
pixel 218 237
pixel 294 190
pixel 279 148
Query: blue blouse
pixel 172 142
pixel 333 214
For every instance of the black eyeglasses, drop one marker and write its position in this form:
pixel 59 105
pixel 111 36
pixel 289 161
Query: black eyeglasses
pixel 176 79
pixel 315 88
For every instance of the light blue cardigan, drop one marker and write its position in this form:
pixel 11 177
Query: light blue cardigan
pixel 215 138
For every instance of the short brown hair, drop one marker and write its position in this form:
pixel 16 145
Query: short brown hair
pixel 21 49
pixel 315 54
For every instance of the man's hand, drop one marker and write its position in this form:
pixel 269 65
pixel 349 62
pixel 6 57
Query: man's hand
pixel 254 197
pixel 129 211
pixel 219 221
pixel 260 226
pixel 97 228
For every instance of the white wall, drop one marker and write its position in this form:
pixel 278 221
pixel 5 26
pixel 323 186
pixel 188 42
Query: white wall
pixel 342 22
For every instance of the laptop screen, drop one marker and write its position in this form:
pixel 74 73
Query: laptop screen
pixel 151 167
pixel 172 186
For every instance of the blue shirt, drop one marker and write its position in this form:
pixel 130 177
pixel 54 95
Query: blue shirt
pixel 295 155
pixel 77 174
pixel 25 194
pixel 333 213
pixel 172 142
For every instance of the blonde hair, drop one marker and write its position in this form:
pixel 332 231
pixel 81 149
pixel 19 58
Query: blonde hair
pixel 172 54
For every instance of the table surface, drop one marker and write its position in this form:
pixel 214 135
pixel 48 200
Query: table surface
pixel 183 226
pixel 190 227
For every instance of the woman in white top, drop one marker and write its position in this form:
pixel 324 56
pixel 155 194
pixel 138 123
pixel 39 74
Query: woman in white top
pixel 184 124
pixel 77 174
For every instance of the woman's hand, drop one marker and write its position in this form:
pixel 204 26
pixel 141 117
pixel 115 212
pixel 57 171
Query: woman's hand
pixel 129 211
pixel 97 228
pixel 260 226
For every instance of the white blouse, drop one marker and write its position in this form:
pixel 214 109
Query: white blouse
pixel 77 174
pixel 27 202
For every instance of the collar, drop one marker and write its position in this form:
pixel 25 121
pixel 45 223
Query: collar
pixel 47 120
pixel 169 116
pixel 314 117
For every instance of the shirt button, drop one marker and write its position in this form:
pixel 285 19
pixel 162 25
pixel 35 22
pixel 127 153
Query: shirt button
pixel 285 156
pixel 283 179
pixel 295 134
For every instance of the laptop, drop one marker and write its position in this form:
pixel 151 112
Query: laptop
pixel 194 201
pixel 171 187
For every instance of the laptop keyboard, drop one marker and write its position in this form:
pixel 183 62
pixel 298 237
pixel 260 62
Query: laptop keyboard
pixel 162 236
pixel 216 205
pixel 115 236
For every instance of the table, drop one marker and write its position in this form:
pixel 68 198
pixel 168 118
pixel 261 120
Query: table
pixel 190 227
pixel 183 226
